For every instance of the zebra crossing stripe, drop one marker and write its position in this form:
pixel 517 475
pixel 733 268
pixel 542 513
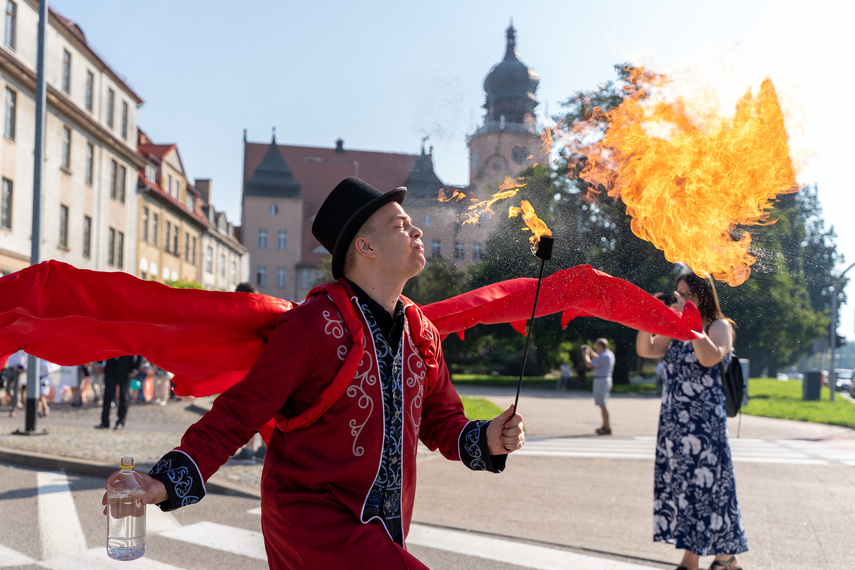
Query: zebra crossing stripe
pixel 157 521
pixel 221 537
pixel 60 531
pixel 510 552
pixel 793 452
pixel 11 557
pixel 97 559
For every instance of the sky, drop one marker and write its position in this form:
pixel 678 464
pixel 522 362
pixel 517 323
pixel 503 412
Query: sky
pixel 381 75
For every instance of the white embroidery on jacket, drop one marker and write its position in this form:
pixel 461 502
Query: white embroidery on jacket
pixel 336 328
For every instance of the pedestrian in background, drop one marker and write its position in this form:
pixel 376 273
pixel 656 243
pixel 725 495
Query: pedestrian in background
pixel 694 502
pixel 602 361
pixel 16 380
pixel 118 373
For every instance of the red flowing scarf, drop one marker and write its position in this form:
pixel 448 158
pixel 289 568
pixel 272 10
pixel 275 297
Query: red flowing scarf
pixel 210 339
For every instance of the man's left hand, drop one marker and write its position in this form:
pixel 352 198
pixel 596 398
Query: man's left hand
pixel 505 433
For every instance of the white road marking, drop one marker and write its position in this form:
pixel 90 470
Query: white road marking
pixel 97 559
pixel 60 531
pixel 157 521
pixel 510 552
pixel 11 557
pixel 792 452
pixel 221 537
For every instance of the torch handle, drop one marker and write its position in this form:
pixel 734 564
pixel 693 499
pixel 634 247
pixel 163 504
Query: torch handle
pixel 528 335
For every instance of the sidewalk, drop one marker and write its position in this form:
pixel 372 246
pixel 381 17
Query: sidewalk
pixel 796 516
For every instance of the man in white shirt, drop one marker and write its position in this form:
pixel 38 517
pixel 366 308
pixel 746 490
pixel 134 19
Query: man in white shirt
pixel 602 361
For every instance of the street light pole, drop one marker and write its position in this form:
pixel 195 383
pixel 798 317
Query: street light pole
pixel 33 365
pixel 832 336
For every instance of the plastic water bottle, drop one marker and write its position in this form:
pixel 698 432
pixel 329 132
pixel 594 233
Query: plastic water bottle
pixel 125 513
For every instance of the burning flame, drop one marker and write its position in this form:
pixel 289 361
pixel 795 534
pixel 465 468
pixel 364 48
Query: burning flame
pixel 537 226
pixel 689 178
pixel 547 140
pixel 456 196
pixel 508 189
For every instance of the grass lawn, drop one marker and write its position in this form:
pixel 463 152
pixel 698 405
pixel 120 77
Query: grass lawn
pixel 540 381
pixel 776 399
pixel 479 408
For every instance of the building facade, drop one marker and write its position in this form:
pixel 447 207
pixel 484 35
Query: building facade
pixel 181 236
pixel 88 210
pixel 284 186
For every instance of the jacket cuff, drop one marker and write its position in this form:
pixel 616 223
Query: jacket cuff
pixel 474 450
pixel 182 479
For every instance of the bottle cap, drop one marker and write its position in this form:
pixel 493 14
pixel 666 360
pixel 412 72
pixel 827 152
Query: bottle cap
pixel 127 462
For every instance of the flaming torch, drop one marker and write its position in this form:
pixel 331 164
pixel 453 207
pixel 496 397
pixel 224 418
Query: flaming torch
pixel 541 246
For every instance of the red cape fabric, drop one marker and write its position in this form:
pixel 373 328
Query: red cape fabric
pixel 210 339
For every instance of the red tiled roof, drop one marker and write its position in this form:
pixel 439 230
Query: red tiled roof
pixel 157 150
pixel 383 170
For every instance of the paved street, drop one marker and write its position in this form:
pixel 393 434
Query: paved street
pixel 570 499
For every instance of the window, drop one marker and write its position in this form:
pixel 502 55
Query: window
pixel 169 184
pixel 177 193
pixel 9 115
pixel 193 252
pixel 273 209
pixel 477 251
pixel 262 239
pixel 188 201
pixel 125 120
pixel 175 250
pixel 90 163
pixel 234 272
pixel 123 182
pixel 155 229
pixel 120 250
pixel 111 103
pixel 6 204
pixel 111 248
pixel 435 248
pixel 222 266
pixel 307 278
pixel 66 148
pixel 87 236
pixel 63 226
pixel 167 235
pixel 66 71
pixel 90 89
pixel 281 275
pixel 261 276
pixel 144 224
pixel 428 220
pixel 11 18
pixel 209 259
pixel 459 250
pixel 186 246
pixel 114 174
pixel 283 239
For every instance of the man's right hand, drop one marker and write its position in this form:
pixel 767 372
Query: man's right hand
pixel 155 492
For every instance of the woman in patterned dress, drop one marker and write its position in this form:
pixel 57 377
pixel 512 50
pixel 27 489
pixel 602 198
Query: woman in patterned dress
pixel 694 502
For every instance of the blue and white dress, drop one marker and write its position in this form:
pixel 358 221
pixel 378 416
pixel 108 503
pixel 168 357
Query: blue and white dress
pixel 694 491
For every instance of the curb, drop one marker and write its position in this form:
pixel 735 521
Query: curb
pixel 49 462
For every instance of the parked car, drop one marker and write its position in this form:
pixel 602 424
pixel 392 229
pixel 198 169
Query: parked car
pixel 843 379
pixel 782 377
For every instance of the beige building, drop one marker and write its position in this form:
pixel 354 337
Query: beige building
pixel 181 235
pixel 89 211
pixel 225 261
pixel 284 186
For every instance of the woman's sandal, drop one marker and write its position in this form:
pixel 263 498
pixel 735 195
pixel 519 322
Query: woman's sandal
pixel 725 564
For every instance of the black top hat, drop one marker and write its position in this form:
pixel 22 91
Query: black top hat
pixel 344 211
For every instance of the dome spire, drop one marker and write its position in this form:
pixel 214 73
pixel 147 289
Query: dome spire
pixel 510 88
